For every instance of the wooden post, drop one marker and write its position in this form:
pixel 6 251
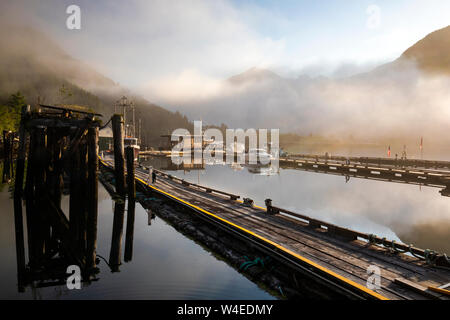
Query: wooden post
pixel 18 214
pixel 131 187
pixel 130 231
pixel 55 182
pixel 119 161
pixel 268 203
pixel 42 230
pixel 30 199
pixel 50 186
pixel 92 206
pixel 116 240
pixel 84 196
pixel 75 205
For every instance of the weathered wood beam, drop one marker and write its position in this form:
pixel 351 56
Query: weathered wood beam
pixel 92 206
pixel 18 192
pixel 131 187
pixel 119 161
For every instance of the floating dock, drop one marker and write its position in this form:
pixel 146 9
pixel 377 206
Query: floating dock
pixel 341 259
pixel 435 174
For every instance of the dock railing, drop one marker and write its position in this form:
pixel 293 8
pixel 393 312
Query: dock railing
pixel 186 183
pixel 431 257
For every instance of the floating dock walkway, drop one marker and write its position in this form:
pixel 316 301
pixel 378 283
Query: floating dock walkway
pixel 419 172
pixel 339 258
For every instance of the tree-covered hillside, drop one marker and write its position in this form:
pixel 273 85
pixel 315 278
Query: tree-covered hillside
pixel 35 66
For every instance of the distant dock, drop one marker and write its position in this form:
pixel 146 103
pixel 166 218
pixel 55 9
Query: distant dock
pixel 418 172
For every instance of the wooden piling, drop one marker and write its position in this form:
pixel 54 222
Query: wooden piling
pixel 119 161
pixel 75 205
pixel 119 208
pixel 131 185
pixel 130 231
pixel 54 181
pixel 116 240
pixel 92 206
pixel 131 188
pixel 59 143
pixel 18 214
pixel 42 229
pixel 30 207
pixel 84 196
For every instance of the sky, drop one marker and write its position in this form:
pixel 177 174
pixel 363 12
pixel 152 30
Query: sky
pixel 137 42
pixel 179 54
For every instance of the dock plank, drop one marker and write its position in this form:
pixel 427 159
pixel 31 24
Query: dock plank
pixel 316 251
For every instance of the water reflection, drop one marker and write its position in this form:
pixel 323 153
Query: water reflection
pixel 158 262
pixel 406 213
pixel 267 170
pixel 116 239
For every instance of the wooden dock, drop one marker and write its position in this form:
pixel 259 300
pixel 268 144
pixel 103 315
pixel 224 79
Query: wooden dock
pixel 334 256
pixel 397 162
pixel 388 171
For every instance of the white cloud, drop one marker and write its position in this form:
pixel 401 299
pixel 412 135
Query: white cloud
pixel 189 84
pixel 145 40
pixel 179 53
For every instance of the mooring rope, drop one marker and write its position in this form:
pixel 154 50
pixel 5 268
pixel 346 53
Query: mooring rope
pixel 430 256
pixel 103 127
pixel 250 263
pixel 99 256
pixel 281 291
pixel 397 249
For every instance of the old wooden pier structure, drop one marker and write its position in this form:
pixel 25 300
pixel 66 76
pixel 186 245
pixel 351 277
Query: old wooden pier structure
pixel 57 154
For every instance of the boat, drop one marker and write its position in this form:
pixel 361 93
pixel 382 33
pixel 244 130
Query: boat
pixel 261 155
pixel 132 142
pixel 106 143
pixel 130 139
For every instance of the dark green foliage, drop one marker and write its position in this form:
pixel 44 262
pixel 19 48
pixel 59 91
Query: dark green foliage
pixel 10 112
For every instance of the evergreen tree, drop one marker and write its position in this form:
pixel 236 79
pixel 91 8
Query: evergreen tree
pixel 10 113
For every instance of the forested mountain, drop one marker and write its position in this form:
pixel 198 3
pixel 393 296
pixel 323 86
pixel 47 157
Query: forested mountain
pixel 32 64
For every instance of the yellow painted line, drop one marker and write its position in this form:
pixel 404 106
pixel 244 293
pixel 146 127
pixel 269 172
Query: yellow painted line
pixel 439 290
pixel 311 263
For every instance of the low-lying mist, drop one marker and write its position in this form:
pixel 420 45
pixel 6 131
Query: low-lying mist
pixel 393 103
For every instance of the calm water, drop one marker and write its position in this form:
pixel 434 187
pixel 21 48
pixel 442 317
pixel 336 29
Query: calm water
pixel 165 265
pixel 406 213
